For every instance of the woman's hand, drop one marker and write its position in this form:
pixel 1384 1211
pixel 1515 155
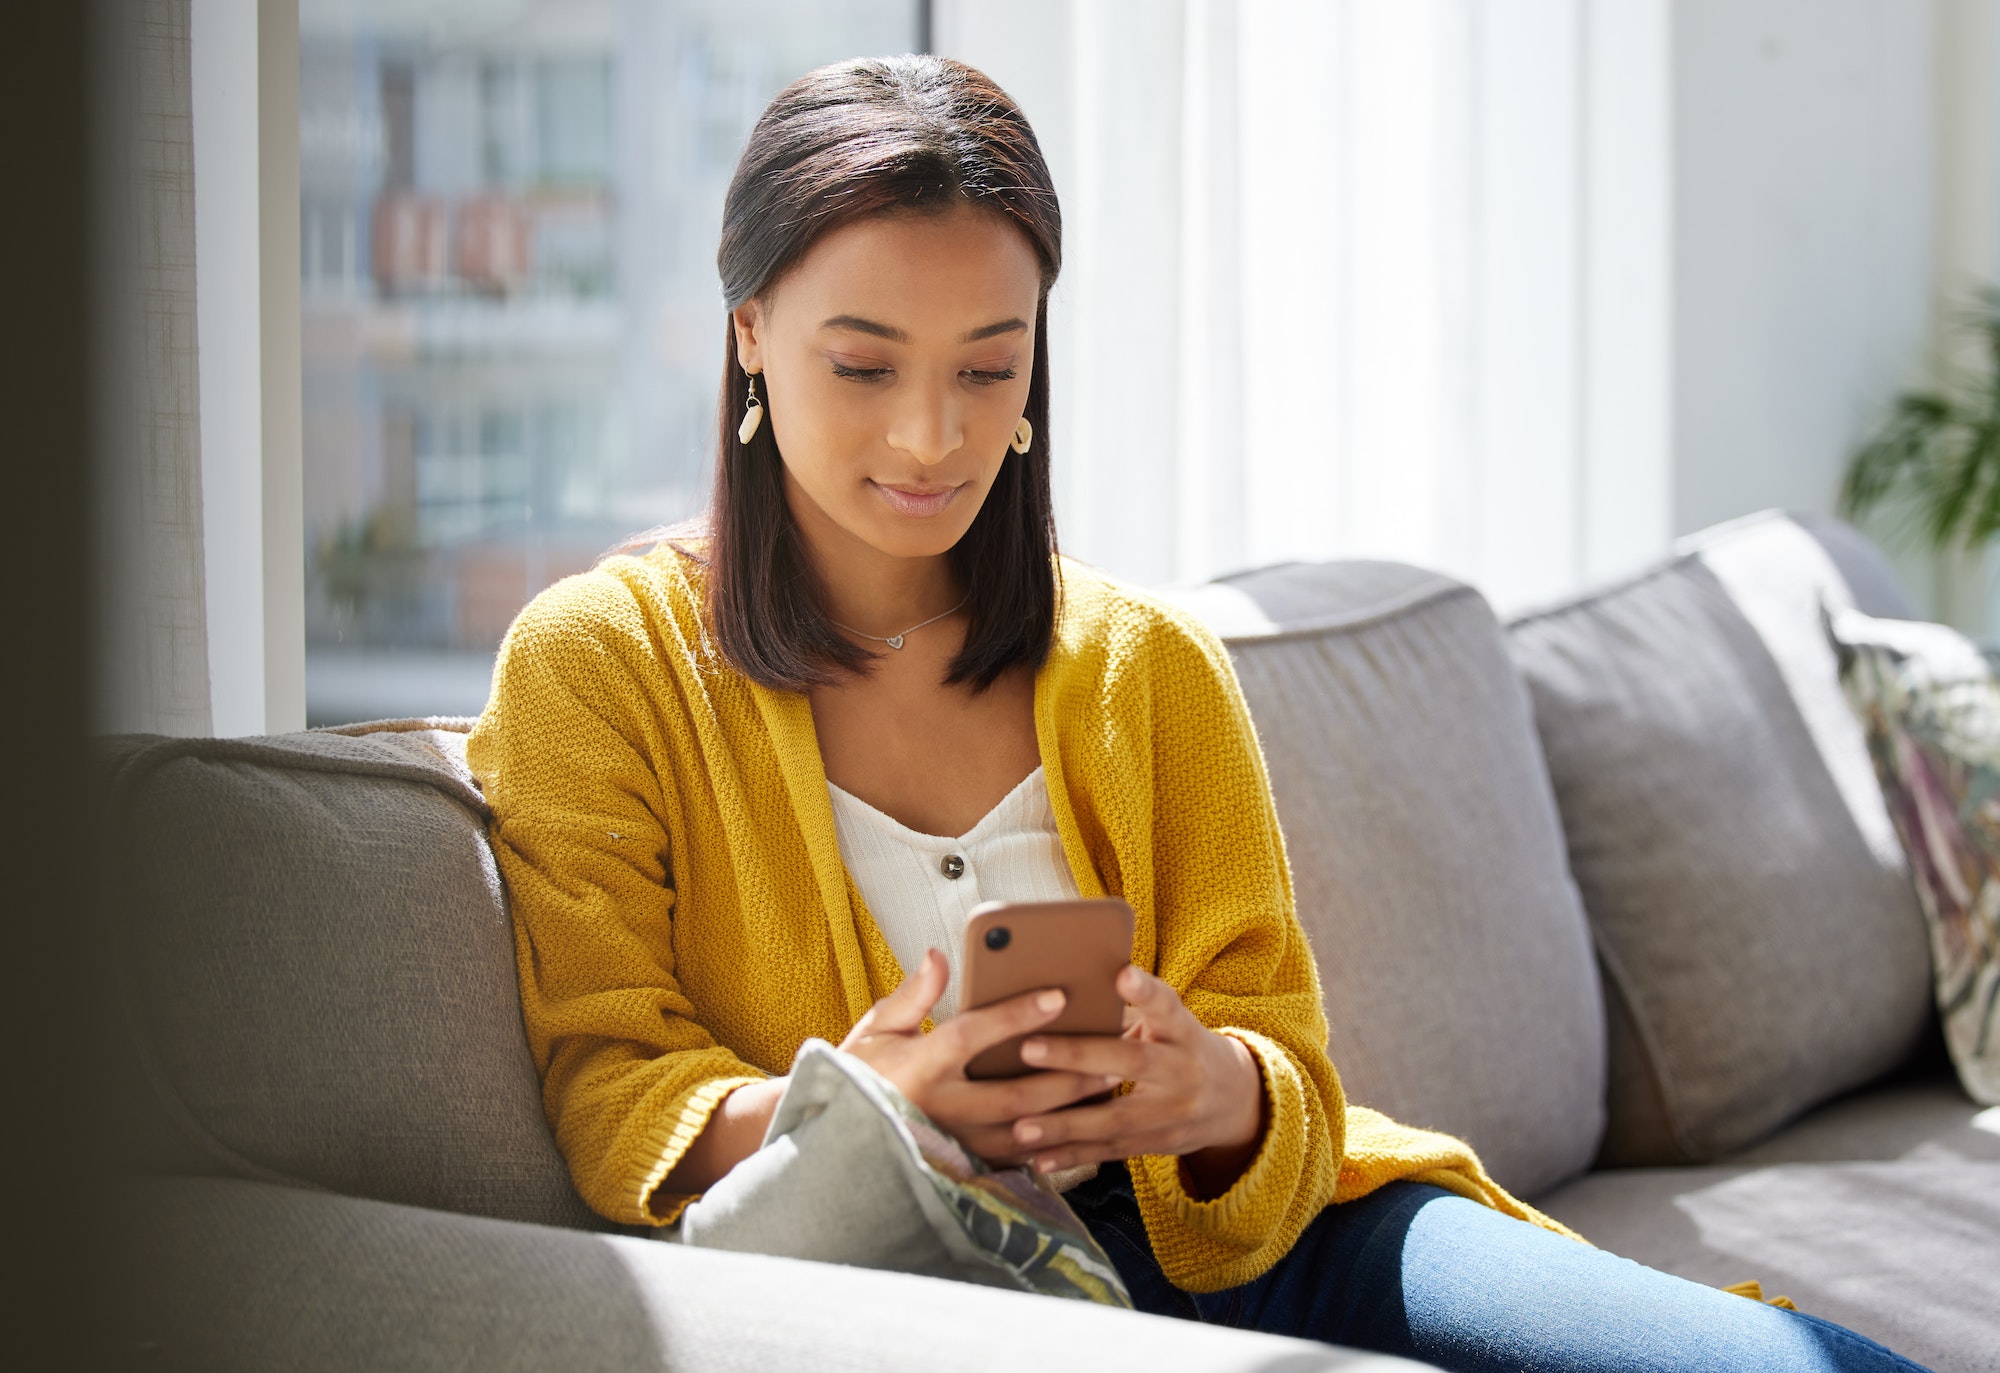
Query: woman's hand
pixel 929 1069
pixel 1194 1093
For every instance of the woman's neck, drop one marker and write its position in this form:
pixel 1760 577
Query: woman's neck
pixel 884 595
pixel 869 590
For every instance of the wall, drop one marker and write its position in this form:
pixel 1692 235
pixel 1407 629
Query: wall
pixel 1965 590
pixel 1803 226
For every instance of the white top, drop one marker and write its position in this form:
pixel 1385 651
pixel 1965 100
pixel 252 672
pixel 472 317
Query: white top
pixel 1012 854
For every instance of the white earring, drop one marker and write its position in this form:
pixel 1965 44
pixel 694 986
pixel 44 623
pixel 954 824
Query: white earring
pixel 754 414
pixel 1024 436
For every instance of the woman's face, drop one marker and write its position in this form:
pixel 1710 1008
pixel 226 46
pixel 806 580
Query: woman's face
pixel 894 361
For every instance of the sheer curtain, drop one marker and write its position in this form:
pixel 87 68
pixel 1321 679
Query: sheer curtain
pixel 1327 283
pixel 151 631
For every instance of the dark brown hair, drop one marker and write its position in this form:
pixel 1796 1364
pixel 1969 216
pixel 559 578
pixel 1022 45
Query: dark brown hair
pixel 861 138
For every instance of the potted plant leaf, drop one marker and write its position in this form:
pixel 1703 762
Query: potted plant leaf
pixel 1933 469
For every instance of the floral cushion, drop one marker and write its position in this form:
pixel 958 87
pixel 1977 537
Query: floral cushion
pixel 1930 704
pixel 850 1172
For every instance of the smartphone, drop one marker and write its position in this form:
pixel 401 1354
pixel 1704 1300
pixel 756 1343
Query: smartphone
pixel 1015 947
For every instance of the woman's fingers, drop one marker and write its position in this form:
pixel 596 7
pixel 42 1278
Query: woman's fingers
pixel 1125 1059
pixel 1114 1138
pixel 1098 1151
pixel 1004 1102
pixel 1158 1005
pixel 994 1143
pixel 981 1115
pixel 903 1010
pixel 1115 1119
pixel 1037 1117
pixel 970 1033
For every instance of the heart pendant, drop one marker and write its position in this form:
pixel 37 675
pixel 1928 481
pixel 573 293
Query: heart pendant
pixel 895 641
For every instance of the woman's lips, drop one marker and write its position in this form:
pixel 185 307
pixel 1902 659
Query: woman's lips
pixel 916 501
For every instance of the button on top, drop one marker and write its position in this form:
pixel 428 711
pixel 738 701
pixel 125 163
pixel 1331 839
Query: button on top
pixel 952 866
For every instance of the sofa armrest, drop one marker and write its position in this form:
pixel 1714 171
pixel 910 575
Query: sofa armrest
pixel 228 1274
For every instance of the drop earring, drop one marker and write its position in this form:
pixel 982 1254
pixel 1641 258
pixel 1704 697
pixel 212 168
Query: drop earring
pixel 1024 436
pixel 753 414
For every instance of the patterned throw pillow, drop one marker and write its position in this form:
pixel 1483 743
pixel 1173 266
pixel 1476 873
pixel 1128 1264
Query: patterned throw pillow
pixel 850 1172
pixel 1929 703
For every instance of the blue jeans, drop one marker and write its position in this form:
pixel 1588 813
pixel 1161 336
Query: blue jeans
pixel 1415 1271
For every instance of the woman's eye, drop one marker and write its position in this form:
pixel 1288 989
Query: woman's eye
pixel 841 369
pixel 988 378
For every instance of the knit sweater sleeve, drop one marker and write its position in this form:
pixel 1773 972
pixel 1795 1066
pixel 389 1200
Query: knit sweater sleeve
pixel 580 833
pixel 1229 940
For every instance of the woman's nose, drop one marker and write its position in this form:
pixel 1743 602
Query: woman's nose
pixel 929 428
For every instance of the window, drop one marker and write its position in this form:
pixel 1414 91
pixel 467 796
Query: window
pixel 511 323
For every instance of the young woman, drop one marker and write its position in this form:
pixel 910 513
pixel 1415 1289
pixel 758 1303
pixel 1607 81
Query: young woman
pixel 748 784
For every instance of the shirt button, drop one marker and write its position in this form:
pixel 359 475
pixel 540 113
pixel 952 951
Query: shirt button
pixel 953 866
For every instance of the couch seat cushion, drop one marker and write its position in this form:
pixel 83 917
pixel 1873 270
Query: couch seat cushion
pixel 318 972
pixel 1880 1211
pixel 1929 1118
pixel 224 1275
pixel 1426 857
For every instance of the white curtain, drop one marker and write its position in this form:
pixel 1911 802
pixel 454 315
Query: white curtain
pixel 151 664
pixel 1325 284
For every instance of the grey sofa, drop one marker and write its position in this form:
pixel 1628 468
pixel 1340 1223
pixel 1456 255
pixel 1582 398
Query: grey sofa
pixel 1599 889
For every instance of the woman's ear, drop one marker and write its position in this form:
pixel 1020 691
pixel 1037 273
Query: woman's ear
pixel 748 321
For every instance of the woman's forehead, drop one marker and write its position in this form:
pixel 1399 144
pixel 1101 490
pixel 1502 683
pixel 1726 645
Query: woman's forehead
pixel 923 277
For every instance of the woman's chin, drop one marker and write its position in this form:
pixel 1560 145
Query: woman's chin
pixel 901 536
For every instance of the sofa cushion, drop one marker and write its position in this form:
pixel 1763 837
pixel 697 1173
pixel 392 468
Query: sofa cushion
pixel 318 972
pixel 1879 1211
pixel 1870 581
pixel 1930 704
pixel 1919 1116
pixel 228 1275
pixel 1426 857
pixel 1761 945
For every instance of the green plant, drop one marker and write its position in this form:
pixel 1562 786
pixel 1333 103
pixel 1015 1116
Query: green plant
pixel 1934 466
pixel 370 569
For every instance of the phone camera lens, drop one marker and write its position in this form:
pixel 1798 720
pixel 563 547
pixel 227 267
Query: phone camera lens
pixel 998 938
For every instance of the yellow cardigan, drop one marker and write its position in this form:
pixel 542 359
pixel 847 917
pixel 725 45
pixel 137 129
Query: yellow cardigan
pixel 684 921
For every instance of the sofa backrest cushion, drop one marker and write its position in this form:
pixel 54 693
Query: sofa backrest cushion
pixel 1870 581
pixel 1761 945
pixel 1426 856
pixel 317 970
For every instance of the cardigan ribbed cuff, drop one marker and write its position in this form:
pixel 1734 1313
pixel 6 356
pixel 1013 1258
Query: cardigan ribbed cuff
pixel 670 1140
pixel 1243 1219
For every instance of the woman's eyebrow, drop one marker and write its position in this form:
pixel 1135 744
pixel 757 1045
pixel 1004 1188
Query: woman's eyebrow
pixel 856 324
pixel 1005 326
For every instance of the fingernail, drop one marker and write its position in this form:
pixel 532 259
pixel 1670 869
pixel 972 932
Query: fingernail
pixel 1051 1000
pixel 1112 1080
pixel 1034 1050
pixel 1027 1133
pixel 1046 1164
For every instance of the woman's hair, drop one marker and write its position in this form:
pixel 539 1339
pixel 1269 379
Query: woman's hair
pixel 861 138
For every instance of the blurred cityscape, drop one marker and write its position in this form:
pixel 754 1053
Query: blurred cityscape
pixel 511 318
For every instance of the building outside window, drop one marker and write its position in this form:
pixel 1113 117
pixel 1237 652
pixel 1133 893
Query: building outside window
pixel 511 319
